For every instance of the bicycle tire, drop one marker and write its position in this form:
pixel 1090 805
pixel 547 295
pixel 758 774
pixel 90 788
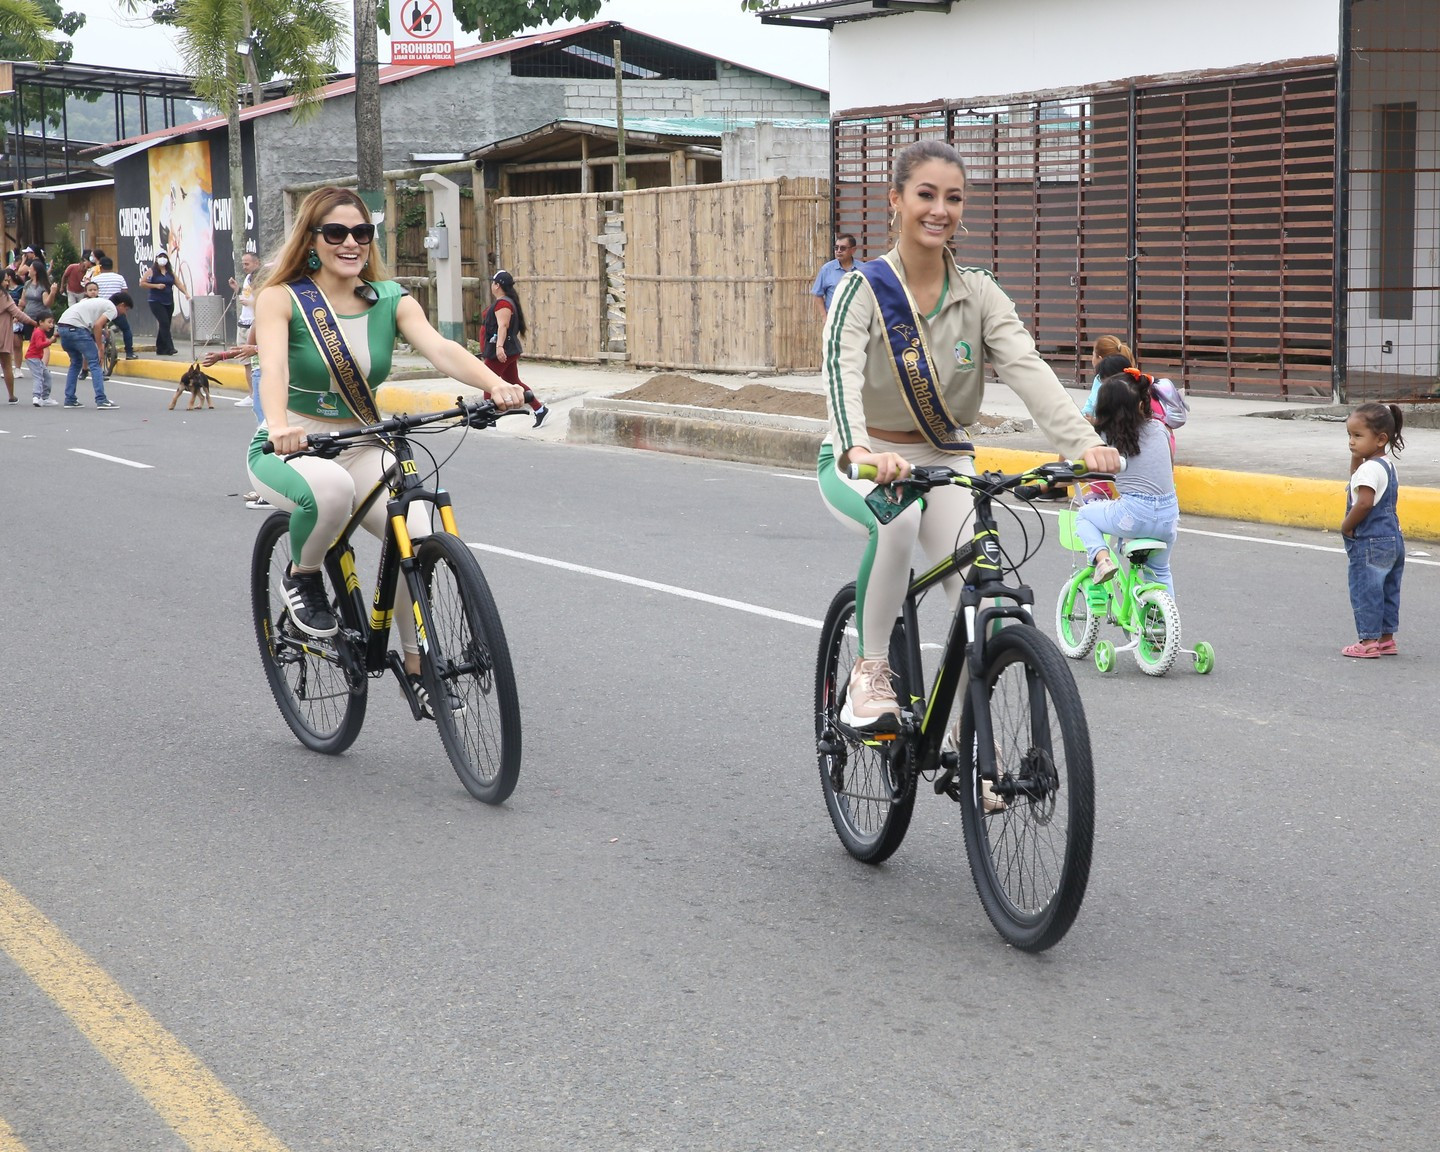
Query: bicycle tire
pixel 1031 860
pixel 483 739
pixel 1076 626
pixel 112 357
pixel 323 705
pixel 869 790
pixel 1157 640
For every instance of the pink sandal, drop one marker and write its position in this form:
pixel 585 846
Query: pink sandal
pixel 1387 647
pixel 1363 649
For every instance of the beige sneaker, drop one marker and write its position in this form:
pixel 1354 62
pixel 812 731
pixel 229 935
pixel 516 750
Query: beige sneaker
pixel 870 699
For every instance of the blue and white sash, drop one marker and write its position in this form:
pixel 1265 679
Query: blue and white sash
pixel 319 318
pixel 912 363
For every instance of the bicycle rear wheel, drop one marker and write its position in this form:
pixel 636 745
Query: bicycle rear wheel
pixel 1031 859
pixel 111 353
pixel 323 704
pixel 1158 639
pixel 869 788
pixel 467 662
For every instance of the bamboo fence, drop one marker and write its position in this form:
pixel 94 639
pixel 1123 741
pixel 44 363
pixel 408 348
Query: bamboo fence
pixel 714 277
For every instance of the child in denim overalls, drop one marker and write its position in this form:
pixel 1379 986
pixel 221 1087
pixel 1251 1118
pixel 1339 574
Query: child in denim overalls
pixel 1372 529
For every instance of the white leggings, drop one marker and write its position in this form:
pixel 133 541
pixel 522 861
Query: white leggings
pixel 889 554
pixel 336 486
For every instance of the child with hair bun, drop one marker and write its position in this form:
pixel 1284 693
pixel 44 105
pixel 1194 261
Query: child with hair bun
pixel 1371 529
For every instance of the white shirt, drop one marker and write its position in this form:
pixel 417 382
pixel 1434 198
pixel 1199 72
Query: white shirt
pixel 87 312
pixel 1371 474
pixel 247 305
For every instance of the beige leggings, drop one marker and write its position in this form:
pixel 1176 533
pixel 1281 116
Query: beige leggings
pixel 337 486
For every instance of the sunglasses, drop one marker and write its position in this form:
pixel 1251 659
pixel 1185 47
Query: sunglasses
pixel 336 233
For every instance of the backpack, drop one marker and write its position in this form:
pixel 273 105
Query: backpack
pixel 1177 411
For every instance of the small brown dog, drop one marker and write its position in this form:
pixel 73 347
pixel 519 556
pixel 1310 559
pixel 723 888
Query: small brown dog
pixel 197 382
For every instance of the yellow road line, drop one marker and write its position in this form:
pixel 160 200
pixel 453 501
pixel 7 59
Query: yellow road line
pixel 9 1142
pixel 172 1080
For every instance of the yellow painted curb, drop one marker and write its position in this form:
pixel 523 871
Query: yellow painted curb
pixel 1258 497
pixel 396 398
pixel 231 374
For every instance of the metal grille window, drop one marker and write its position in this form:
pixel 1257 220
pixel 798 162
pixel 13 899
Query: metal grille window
pixel 1391 73
pixel 1196 221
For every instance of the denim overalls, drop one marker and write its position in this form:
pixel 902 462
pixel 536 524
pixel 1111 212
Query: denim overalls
pixel 1377 560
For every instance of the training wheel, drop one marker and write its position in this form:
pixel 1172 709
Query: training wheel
pixel 1104 655
pixel 1204 658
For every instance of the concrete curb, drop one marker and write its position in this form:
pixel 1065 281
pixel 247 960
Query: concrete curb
pixel 748 438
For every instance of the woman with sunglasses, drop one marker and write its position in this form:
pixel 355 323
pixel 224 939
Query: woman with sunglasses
pixel 329 288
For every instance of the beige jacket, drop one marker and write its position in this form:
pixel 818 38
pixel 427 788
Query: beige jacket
pixel 976 323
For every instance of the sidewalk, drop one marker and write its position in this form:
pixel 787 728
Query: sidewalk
pixel 1236 459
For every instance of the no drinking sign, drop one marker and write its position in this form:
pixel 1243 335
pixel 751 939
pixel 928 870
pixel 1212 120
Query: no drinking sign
pixel 422 32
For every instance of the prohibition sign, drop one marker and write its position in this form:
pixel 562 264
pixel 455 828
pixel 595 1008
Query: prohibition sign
pixel 423 21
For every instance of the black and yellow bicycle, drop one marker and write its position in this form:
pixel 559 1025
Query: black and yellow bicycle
pixel 321 685
pixel 1020 769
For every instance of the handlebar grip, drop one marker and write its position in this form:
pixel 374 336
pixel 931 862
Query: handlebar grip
pixel 863 472
pixel 268 448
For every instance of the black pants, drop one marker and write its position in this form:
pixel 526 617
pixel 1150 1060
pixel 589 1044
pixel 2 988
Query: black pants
pixel 164 346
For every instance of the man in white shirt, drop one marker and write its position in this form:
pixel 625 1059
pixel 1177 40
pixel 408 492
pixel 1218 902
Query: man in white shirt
pixel 110 283
pixel 80 329
pixel 245 320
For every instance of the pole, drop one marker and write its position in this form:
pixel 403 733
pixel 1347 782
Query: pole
pixel 369 165
pixel 619 121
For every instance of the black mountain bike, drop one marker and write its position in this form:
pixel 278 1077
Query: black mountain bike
pixel 1020 769
pixel 321 685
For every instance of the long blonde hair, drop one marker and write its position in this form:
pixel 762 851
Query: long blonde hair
pixel 290 262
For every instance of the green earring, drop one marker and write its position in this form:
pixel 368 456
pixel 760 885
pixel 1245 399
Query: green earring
pixel 312 261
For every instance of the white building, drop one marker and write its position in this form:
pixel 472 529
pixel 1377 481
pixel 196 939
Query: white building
pixel 1250 192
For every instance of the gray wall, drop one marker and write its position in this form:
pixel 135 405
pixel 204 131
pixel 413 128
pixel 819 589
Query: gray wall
pixel 457 109
pixel 764 151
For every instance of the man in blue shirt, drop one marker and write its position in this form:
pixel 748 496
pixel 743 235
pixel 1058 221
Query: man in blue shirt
pixel 831 273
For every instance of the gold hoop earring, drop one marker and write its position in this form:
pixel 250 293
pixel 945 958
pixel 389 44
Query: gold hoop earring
pixel 894 215
pixel 964 231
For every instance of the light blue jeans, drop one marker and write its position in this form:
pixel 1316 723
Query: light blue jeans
pixel 1129 518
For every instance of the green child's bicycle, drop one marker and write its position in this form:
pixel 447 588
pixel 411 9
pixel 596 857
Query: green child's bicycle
pixel 1138 604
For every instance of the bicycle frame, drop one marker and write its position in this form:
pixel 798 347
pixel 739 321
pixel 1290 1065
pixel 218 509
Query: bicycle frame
pixel 397 554
pixel 985 600
pixel 1122 594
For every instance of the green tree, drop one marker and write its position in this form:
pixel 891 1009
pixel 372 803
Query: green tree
pixel 27 30
pixel 498 19
pixel 300 42
pixel 758 5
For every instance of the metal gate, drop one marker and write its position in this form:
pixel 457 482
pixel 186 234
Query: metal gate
pixel 1194 220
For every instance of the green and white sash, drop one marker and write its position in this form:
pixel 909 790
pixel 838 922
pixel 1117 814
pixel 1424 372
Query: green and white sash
pixel 321 322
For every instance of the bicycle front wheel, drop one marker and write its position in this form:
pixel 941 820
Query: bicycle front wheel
pixel 323 704
pixel 468 674
pixel 112 357
pixel 869 788
pixel 1076 626
pixel 1028 806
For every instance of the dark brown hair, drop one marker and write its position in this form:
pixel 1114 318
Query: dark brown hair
pixel 1384 420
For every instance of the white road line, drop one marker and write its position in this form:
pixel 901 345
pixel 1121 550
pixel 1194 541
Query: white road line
pixel 1267 540
pixel 621 578
pixel 133 384
pixel 112 459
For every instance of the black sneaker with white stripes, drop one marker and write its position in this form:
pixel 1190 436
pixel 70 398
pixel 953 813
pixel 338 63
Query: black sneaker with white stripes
pixel 308 604
pixel 417 686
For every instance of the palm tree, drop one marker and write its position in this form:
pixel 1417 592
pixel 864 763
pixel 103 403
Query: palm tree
pixel 220 44
pixel 24 22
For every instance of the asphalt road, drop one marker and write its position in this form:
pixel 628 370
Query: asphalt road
pixel 659 943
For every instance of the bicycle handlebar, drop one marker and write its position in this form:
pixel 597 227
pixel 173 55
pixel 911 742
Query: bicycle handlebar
pixel 1039 477
pixel 475 413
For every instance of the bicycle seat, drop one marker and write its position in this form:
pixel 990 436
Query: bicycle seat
pixel 1141 547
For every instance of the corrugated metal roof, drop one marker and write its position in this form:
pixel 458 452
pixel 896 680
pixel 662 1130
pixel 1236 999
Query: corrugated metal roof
pixel 711 126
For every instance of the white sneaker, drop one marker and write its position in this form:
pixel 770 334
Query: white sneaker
pixel 248 402
pixel 50 402
pixel 870 698
pixel 35 401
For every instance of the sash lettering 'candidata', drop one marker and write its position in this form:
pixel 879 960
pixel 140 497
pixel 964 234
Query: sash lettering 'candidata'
pixel 330 341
